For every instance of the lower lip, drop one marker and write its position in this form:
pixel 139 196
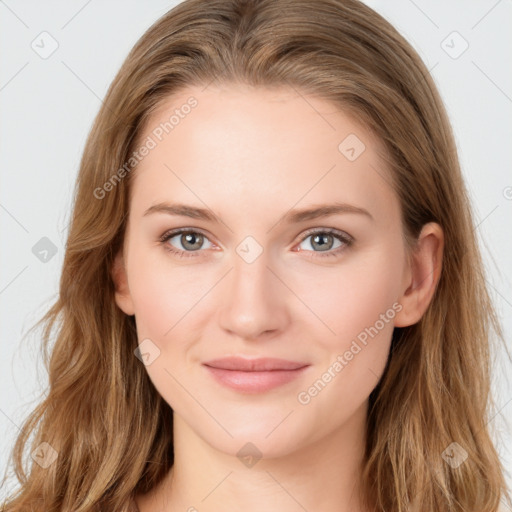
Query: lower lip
pixel 254 382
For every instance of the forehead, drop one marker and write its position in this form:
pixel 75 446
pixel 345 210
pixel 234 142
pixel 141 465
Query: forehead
pixel 252 147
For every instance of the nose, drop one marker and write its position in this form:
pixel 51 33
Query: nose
pixel 254 301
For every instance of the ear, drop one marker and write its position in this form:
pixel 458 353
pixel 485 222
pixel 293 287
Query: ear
pixel 422 275
pixel 120 279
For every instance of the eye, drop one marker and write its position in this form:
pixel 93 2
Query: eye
pixel 190 241
pixel 324 239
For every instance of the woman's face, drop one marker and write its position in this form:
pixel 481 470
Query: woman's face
pixel 260 279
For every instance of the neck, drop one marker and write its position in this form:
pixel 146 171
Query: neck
pixel 323 475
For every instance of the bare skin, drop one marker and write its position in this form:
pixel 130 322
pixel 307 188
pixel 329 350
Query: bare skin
pixel 250 156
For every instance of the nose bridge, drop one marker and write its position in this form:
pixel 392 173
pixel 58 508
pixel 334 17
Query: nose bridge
pixel 250 277
pixel 253 301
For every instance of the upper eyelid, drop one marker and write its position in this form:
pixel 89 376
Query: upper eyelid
pixel 330 231
pixel 171 233
pixel 344 236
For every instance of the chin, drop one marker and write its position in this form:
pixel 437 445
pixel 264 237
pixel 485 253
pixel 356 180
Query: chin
pixel 260 439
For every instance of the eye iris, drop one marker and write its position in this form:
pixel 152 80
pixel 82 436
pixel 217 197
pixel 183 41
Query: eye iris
pixel 322 246
pixel 187 237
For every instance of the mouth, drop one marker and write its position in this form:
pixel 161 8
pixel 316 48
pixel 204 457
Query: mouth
pixel 254 375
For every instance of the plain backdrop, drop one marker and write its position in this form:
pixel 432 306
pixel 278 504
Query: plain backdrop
pixel 57 61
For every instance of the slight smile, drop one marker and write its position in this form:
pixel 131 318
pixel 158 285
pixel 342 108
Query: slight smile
pixel 254 375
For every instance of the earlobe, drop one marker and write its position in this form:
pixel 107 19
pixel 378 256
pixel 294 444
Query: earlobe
pixel 122 291
pixel 423 276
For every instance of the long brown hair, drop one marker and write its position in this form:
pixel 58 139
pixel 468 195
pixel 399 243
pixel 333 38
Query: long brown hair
pixel 109 427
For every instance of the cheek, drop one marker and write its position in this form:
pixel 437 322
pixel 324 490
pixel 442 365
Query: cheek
pixel 359 305
pixel 355 297
pixel 163 293
pixel 167 299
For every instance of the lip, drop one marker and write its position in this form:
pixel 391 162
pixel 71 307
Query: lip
pixel 254 375
pixel 262 364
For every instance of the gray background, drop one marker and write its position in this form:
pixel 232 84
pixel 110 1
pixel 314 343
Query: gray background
pixel 48 104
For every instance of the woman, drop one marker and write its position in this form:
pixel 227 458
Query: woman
pixel 323 342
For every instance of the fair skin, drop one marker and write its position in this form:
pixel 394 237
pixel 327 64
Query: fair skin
pixel 250 156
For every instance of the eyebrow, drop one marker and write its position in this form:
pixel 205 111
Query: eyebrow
pixel 293 216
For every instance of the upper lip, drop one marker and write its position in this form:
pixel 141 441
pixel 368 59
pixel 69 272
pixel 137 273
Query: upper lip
pixel 254 365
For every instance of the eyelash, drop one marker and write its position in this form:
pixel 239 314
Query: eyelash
pixel 342 237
